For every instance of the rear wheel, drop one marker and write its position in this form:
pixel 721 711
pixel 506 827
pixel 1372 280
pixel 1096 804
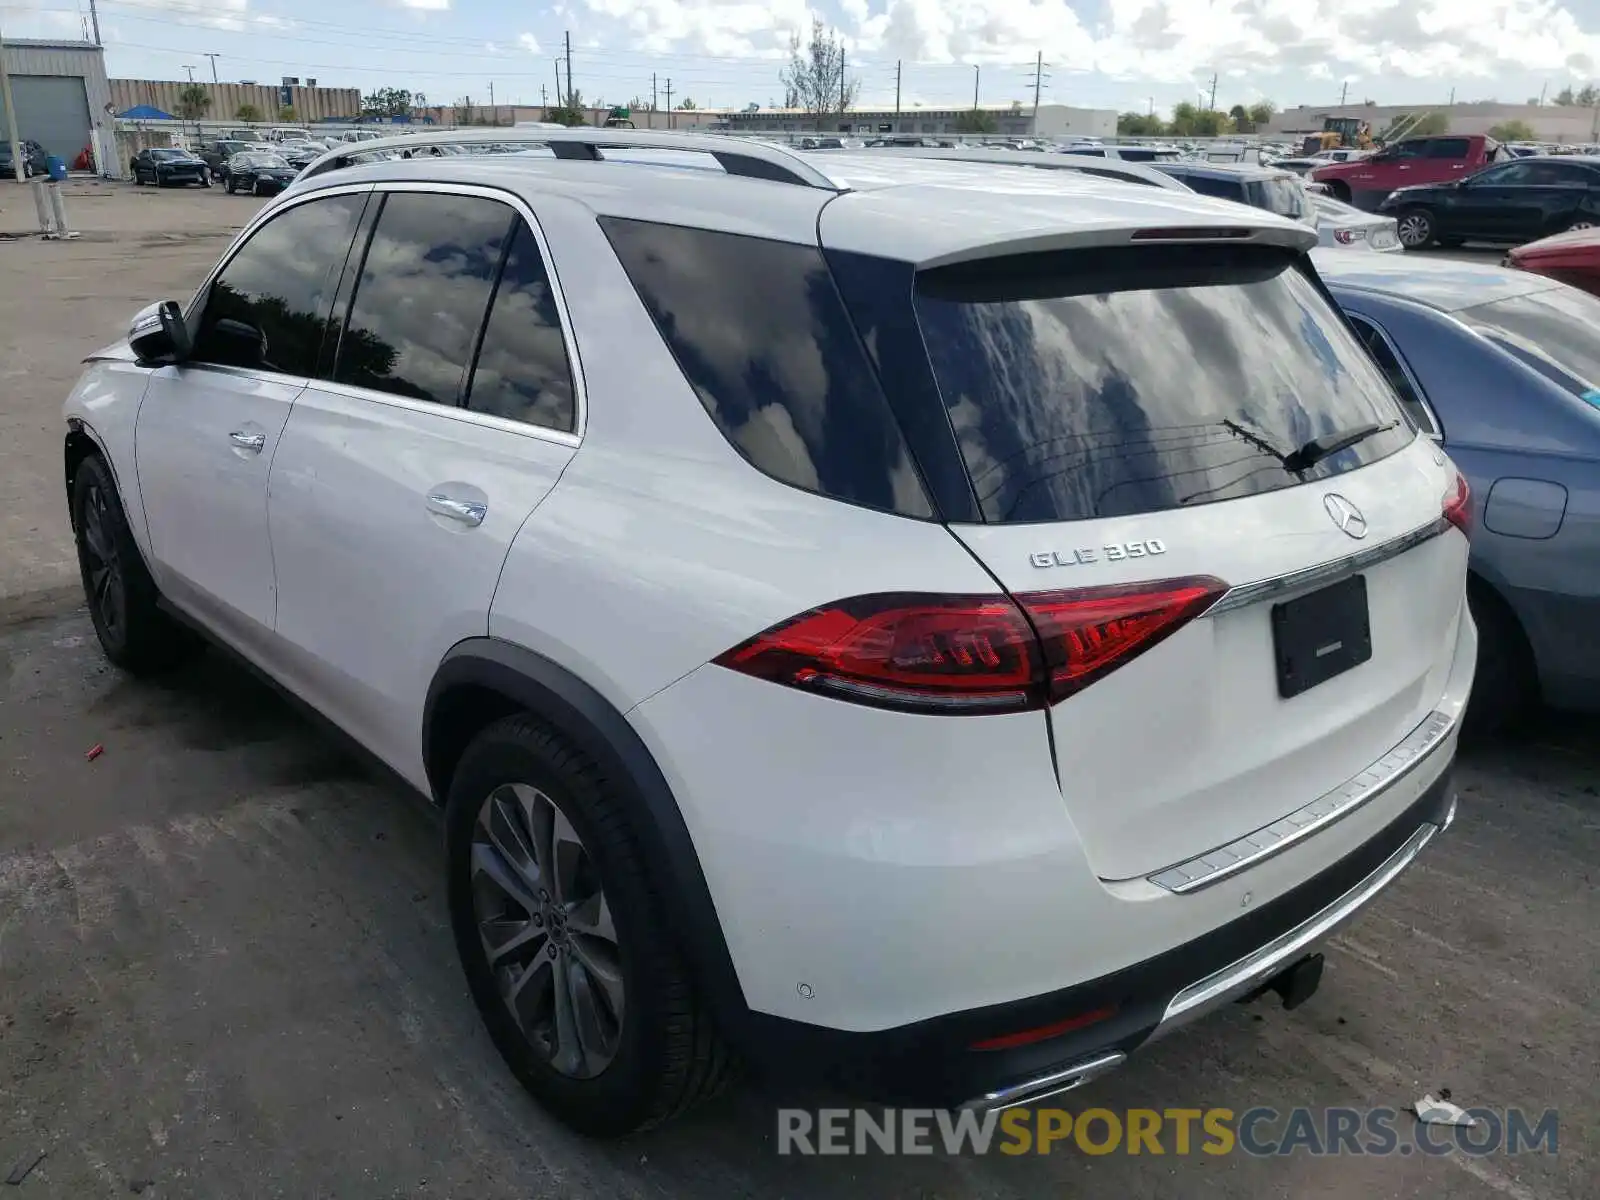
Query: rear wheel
pixel 133 631
pixel 1506 685
pixel 1416 229
pixel 561 936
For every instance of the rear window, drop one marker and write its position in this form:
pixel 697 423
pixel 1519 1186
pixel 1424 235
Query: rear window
pixel 1282 195
pixel 762 336
pixel 1556 332
pixel 1138 155
pixel 1107 383
pixel 1209 185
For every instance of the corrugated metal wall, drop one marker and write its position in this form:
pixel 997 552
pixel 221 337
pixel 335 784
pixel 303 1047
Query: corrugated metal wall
pixel 310 104
pixel 60 62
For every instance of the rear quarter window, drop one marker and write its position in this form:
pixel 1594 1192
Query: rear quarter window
pixel 760 333
pixel 1108 383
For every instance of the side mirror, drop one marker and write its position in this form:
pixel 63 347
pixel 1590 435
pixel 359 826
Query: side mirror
pixel 236 343
pixel 159 334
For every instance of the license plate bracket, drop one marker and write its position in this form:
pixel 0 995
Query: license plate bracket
pixel 1320 635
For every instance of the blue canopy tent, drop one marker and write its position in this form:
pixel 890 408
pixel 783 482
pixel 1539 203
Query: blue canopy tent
pixel 146 112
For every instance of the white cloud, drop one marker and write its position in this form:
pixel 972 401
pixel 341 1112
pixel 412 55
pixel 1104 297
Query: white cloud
pixel 425 5
pixel 1162 41
pixel 528 42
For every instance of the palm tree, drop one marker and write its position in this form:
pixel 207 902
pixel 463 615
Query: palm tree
pixel 193 102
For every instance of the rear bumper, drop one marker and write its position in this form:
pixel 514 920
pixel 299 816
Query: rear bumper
pixel 933 1062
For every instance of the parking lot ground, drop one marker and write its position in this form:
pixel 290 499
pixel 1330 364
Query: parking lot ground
pixel 60 301
pixel 226 971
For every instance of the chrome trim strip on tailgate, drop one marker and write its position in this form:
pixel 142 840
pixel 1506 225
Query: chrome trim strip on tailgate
pixel 1262 964
pixel 1213 866
pixel 1265 589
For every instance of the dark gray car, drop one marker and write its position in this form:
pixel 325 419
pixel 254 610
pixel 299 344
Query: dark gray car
pixel 1504 368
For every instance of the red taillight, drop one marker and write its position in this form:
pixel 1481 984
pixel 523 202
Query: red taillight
pixel 1028 1037
pixel 1345 237
pixel 969 654
pixel 1087 634
pixel 1458 504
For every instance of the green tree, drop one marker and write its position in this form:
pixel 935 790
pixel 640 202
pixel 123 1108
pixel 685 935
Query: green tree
pixel 815 79
pixel 571 113
pixel 247 112
pixel 977 121
pixel 1513 131
pixel 1241 119
pixel 1134 124
pixel 1564 97
pixel 288 115
pixel 1210 123
pixel 1588 97
pixel 687 105
pixel 1262 112
pixel 389 102
pixel 1185 117
pixel 193 102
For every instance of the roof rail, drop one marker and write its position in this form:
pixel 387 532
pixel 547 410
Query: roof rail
pixel 750 159
pixel 1107 168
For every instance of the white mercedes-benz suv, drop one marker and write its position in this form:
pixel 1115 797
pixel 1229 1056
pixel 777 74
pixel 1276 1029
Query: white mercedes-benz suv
pixel 929 625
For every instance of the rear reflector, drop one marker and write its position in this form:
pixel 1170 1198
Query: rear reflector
pixel 1028 1037
pixel 970 655
pixel 1458 504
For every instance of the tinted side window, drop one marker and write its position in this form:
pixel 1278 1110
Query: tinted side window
pixel 762 336
pixel 423 291
pixel 522 371
pixel 1383 354
pixel 1226 189
pixel 1415 148
pixel 280 284
pixel 1449 148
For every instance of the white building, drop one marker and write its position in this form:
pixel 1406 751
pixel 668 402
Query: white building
pixel 62 97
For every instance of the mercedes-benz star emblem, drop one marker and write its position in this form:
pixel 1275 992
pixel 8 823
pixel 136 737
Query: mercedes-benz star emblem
pixel 1345 515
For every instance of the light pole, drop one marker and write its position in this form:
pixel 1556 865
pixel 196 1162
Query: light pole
pixel 189 69
pixel 213 58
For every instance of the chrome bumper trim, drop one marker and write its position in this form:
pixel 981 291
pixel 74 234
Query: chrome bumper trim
pixel 1247 594
pixel 1218 864
pixel 1256 968
pixel 1051 1084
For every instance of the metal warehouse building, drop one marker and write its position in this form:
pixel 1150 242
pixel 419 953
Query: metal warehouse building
pixel 61 95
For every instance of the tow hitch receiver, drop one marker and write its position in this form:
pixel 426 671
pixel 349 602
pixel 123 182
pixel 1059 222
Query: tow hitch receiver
pixel 1295 984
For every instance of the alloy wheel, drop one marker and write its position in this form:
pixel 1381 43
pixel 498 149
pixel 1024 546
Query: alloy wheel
pixel 547 931
pixel 1415 230
pixel 102 566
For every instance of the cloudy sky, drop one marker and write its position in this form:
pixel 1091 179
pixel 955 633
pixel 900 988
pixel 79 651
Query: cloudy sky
pixel 1126 54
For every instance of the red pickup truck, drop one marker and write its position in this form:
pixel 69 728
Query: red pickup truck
pixel 1365 182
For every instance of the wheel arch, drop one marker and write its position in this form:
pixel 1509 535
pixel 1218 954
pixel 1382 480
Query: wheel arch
pixel 481 680
pixel 82 442
pixel 1492 588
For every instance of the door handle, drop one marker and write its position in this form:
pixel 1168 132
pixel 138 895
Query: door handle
pixel 468 512
pixel 253 442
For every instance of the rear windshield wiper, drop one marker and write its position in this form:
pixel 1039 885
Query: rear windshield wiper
pixel 1317 449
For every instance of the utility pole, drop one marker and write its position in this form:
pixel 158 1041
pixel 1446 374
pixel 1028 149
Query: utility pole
pixel 492 110
pixel 189 69
pixel 1543 91
pixel 897 95
pixel 975 70
pixel 213 58
pixel 544 97
pixel 94 19
pixel 1211 106
pixel 669 101
pixel 652 98
pixel 1452 97
pixel 841 79
pixel 1038 85
pixel 569 68
pixel 560 103
pixel 1344 91
pixel 1152 106
pixel 11 115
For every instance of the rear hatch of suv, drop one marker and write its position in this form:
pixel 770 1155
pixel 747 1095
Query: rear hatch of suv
pixel 1235 551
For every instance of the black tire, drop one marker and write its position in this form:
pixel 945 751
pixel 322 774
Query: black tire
pixel 1417 228
pixel 133 631
pixel 668 1056
pixel 228 185
pixel 1506 686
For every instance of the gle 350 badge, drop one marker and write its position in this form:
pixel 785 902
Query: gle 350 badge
pixel 1113 552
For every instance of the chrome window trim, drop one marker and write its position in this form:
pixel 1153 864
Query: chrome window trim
pixel 539 432
pixel 580 398
pixel 1202 870
pixel 1246 594
pixel 1437 432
